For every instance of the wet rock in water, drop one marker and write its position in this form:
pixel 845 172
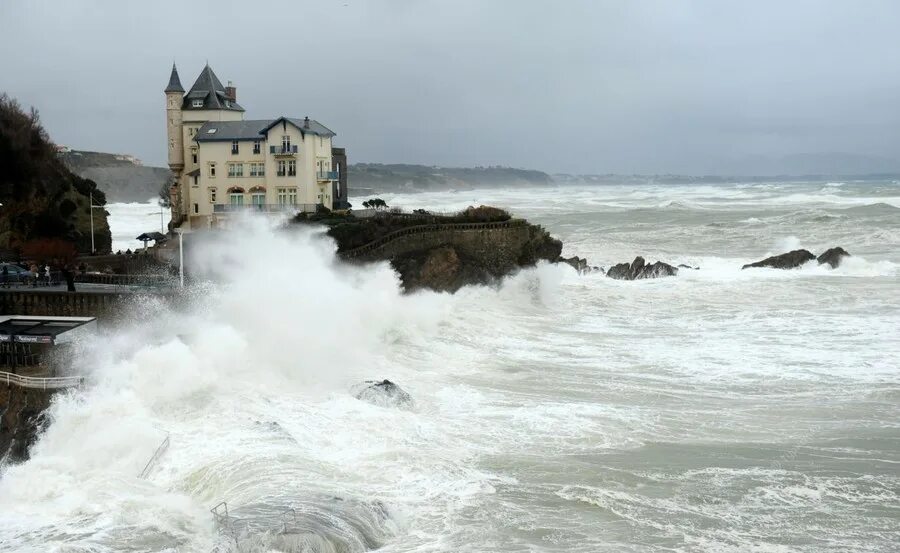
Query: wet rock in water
pixel 577 263
pixel 833 257
pixel 384 393
pixel 683 266
pixel 638 270
pixel 790 260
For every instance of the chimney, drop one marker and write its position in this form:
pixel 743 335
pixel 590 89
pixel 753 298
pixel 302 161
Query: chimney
pixel 306 122
pixel 231 92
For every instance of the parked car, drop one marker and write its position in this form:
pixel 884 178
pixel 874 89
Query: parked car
pixel 16 273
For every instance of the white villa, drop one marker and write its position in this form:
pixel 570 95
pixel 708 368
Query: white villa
pixel 223 163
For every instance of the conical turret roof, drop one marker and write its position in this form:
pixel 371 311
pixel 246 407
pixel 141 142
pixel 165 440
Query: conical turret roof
pixel 174 82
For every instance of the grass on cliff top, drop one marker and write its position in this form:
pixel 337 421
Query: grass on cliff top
pixel 352 232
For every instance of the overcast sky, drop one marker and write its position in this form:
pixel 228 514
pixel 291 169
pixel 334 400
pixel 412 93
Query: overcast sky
pixel 562 86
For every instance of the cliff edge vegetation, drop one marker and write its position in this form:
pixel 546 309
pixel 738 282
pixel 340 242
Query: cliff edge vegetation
pixel 42 200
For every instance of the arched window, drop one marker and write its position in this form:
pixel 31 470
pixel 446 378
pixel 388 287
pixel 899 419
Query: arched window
pixel 236 195
pixel 258 197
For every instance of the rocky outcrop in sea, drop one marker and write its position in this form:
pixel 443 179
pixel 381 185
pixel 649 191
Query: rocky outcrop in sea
pixel 384 393
pixel 833 257
pixel 796 258
pixel 639 270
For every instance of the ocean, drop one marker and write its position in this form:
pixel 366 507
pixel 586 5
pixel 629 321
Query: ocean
pixel 719 410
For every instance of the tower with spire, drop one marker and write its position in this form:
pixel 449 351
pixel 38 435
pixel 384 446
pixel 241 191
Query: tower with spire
pixel 174 124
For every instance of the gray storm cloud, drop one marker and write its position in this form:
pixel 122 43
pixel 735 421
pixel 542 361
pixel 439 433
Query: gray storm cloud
pixel 577 86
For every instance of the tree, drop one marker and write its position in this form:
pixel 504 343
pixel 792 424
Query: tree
pixel 375 203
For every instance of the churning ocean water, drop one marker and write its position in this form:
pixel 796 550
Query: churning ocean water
pixel 719 410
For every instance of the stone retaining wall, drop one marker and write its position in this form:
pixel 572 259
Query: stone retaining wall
pixel 102 305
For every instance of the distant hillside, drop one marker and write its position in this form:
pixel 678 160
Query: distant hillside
pixel 46 209
pixel 377 177
pixel 568 179
pixel 117 175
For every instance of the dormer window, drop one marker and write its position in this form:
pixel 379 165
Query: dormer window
pixel 234 147
pixel 197 103
pixel 256 146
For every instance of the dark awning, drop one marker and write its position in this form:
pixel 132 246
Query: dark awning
pixel 39 330
pixel 156 236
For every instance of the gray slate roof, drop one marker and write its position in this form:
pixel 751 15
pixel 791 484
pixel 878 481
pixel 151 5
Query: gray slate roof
pixel 174 82
pixel 208 88
pixel 253 129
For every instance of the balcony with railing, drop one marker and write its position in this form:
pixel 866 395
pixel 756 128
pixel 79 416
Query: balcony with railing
pixel 222 209
pixel 327 175
pixel 283 150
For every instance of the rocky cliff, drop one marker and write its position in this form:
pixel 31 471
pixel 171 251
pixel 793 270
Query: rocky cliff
pixel 477 246
pixel 21 420
pixel 45 205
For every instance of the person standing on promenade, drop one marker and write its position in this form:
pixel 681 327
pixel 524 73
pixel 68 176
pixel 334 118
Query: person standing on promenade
pixel 69 275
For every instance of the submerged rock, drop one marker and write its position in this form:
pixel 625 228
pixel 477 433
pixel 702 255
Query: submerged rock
pixel 790 260
pixel 638 270
pixel 683 266
pixel 384 393
pixel 833 257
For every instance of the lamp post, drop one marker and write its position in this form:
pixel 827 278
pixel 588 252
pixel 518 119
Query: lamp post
pixel 180 255
pixel 91 196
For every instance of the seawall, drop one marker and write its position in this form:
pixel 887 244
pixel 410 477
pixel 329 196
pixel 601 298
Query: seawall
pixel 101 304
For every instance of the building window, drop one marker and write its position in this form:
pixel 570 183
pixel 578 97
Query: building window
pixel 196 209
pixel 285 143
pixel 258 197
pixel 197 103
pixel 257 169
pixel 236 196
pixel 292 168
pixel 287 196
pixel 194 156
pixel 191 131
pixel 281 168
pixel 212 170
pixel 212 195
pixel 235 170
pixel 256 146
pixel 235 148
pixel 196 180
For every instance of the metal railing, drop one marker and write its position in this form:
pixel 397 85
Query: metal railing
pixel 225 523
pixel 153 459
pixel 264 208
pixel 126 280
pixel 41 383
pixel 420 229
pixel 327 175
pixel 283 150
